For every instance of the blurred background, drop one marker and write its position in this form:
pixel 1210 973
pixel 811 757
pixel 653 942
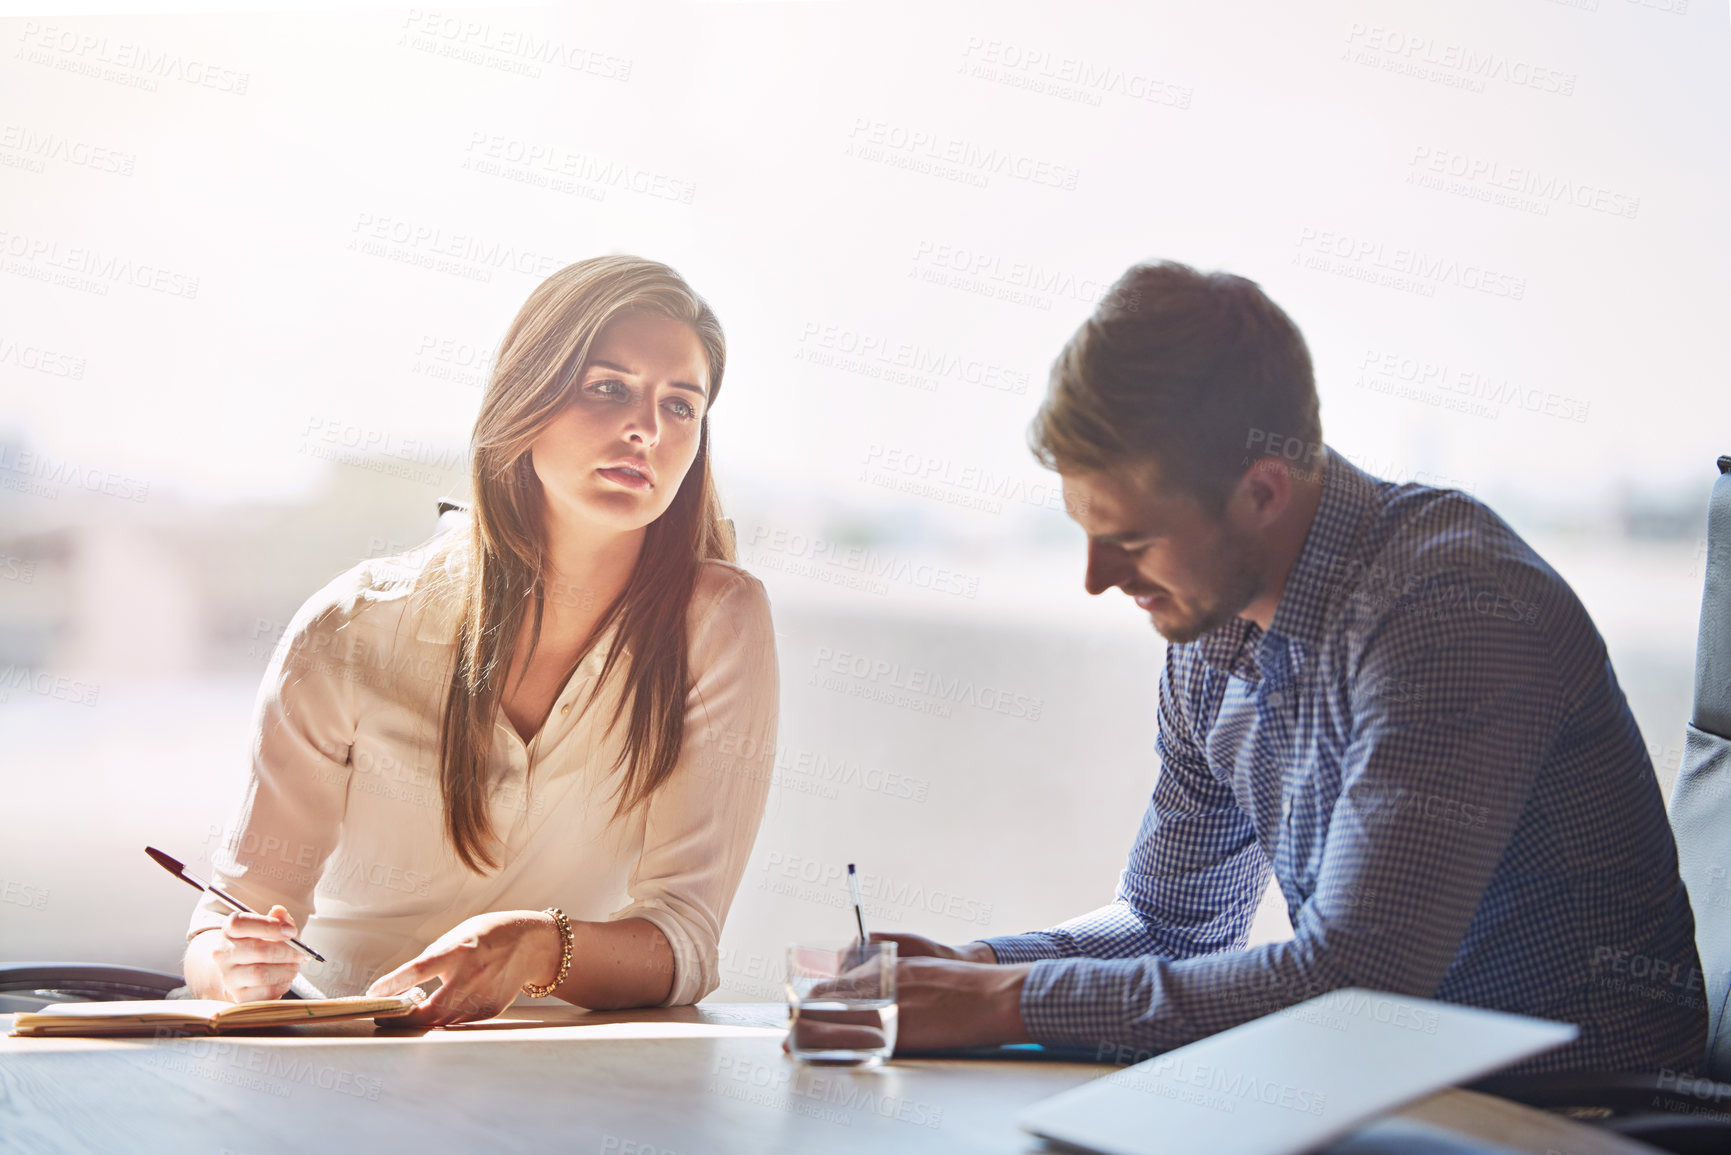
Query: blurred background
pixel 255 265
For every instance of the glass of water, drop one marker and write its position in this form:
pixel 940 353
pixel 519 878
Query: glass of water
pixel 842 1000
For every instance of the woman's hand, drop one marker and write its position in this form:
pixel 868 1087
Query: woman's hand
pixel 482 963
pixel 247 958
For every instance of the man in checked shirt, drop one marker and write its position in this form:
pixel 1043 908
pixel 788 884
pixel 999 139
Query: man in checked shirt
pixel 1376 692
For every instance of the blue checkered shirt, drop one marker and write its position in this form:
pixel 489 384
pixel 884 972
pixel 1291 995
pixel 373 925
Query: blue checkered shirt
pixel 1430 752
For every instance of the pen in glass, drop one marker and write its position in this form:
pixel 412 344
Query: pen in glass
pixel 176 868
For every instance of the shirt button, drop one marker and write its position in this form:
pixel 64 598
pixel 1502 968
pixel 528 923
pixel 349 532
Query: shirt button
pixel 1286 808
pixel 566 708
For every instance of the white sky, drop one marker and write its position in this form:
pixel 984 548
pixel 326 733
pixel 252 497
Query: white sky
pixel 1267 141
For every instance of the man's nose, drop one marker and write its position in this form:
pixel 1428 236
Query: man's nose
pixel 1105 567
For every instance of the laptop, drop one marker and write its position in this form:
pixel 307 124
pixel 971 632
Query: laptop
pixel 1291 1081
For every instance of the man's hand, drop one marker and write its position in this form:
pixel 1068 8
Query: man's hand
pixel 946 1003
pixel 919 946
pixel 482 962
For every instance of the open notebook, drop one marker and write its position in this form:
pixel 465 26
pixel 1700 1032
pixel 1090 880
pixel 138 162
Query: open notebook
pixel 202 1016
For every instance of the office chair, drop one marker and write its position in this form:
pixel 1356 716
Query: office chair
pixel 1640 1105
pixel 449 511
pixel 30 986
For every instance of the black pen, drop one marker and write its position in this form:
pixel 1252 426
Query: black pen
pixel 176 868
pixel 858 910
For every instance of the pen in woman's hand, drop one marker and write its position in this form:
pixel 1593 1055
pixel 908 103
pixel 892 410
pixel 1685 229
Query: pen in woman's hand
pixel 175 867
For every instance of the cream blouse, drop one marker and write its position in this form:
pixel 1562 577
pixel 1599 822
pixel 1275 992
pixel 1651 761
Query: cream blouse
pixel 343 819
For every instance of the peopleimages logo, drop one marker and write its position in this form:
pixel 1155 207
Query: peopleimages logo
pixel 882 141
pixel 18 465
pixel 807 1091
pixel 821 881
pixel 1369 259
pixel 1544 188
pixel 871 347
pixel 467 254
pixel 504 48
pixel 864 562
pixel 1066 77
pixel 946 688
pixel 40 360
pixel 991 269
pixel 730 753
pixel 37 147
pixel 346 874
pixel 1174 1077
pixel 135 65
pixel 539 163
pixel 925 474
pixel 1458 65
pixel 1486 394
pixel 90 269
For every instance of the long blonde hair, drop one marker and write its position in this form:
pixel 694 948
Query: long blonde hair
pixel 542 355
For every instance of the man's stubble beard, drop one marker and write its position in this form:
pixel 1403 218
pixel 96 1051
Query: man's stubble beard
pixel 1237 576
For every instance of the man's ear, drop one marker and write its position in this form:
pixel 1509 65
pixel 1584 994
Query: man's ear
pixel 1265 490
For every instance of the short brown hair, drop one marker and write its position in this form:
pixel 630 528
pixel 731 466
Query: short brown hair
pixel 1197 373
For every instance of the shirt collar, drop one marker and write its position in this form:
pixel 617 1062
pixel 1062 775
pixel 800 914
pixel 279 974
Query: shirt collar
pixel 1231 648
pixel 1319 578
pixel 440 603
pixel 441 611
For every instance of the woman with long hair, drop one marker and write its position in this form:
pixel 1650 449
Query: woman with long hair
pixel 531 755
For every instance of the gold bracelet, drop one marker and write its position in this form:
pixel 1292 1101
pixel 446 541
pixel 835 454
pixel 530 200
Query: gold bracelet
pixel 542 992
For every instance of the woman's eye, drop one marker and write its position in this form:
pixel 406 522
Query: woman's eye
pixel 608 388
pixel 683 409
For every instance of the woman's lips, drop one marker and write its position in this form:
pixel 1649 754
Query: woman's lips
pixel 625 477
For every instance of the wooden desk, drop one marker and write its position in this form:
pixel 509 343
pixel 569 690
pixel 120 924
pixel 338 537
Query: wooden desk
pixel 684 1081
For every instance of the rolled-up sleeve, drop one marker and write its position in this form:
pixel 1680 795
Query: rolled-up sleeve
pixel 303 730
pixel 702 821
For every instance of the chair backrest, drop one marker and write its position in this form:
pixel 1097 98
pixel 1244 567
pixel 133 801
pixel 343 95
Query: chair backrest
pixel 30 986
pixel 449 512
pixel 1701 799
